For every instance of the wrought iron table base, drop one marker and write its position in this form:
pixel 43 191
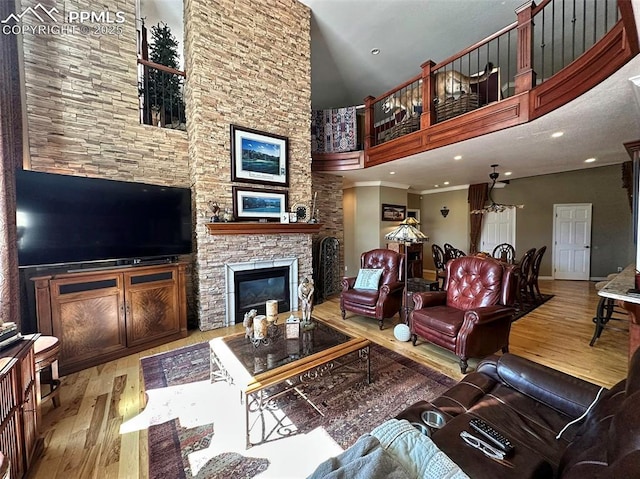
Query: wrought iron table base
pixel 261 409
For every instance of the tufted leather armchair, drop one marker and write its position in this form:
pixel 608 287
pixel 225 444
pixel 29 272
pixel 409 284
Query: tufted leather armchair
pixel 381 304
pixel 472 317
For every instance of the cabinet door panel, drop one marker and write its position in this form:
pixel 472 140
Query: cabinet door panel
pixel 88 317
pixel 151 305
pixel 10 432
pixel 30 406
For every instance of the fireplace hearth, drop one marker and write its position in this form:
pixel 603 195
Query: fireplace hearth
pixel 250 284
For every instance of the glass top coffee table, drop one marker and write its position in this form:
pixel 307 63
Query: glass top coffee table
pixel 277 366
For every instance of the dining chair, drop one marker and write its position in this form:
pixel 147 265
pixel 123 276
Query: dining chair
pixel 451 252
pixel 522 272
pixel 439 263
pixel 504 252
pixel 532 280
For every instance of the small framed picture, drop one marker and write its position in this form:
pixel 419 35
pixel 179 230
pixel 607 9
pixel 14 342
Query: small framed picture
pixel 393 212
pixel 259 157
pixel 258 204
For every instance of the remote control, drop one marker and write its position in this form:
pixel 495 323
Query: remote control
pixel 490 433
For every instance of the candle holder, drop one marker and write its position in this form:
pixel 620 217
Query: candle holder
pixel 263 331
pixel 271 309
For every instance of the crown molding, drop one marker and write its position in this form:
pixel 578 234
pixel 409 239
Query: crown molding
pixel 400 186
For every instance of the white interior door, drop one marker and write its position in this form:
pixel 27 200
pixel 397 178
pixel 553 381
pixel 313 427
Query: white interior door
pixel 572 241
pixel 498 228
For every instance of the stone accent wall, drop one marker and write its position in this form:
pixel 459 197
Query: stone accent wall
pixel 330 209
pixel 81 100
pixel 241 248
pixel 248 64
pixel 82 105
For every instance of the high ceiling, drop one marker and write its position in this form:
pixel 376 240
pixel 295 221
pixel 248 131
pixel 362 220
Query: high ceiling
pixel 409 32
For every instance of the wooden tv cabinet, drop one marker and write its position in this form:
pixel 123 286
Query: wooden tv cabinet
pixel 103 315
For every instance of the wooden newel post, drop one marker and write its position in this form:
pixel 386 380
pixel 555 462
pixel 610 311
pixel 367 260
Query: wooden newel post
pixel 525 75
pixel 369 139
pixel 428 116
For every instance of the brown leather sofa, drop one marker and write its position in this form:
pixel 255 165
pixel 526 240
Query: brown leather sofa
pixel 472 317
pixel 530 404
pixel 387 300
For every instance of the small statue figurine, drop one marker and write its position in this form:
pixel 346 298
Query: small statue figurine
pixel 305 294
pixel 248 322
pixel 215 210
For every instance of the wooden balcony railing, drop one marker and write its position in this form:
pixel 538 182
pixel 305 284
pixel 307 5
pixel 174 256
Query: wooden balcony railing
pixel 553 53
pixel 161 96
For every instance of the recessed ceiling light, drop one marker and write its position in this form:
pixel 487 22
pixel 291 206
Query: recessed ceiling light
pixel 392 172
pixel 508 173
pixel 458 157
pixel 589 160
pixel 436 186
pixel 375 51
pixel 446 182
pixel 557 134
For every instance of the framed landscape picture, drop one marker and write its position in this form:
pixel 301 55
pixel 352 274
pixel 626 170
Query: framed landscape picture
pixel 393 212
pixel 258 157
pixel 257 204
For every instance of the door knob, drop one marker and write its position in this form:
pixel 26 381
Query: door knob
pixel 587 246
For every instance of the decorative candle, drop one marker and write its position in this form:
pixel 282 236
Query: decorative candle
pixel 260 327
pixel 272 310
pixel 292 328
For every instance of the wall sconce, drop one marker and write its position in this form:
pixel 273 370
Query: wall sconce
pixel 444 211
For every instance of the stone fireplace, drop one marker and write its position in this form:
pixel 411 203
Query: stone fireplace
pixel 250 284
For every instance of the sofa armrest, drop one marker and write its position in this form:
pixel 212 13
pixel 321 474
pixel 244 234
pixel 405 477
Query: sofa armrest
pixel 489 367
pixel 429 298
pixel 393 287
pixel 488 314
pixel 348 282
pixel 560 391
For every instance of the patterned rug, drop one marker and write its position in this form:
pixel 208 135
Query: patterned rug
pixel 196 427
pixel 530 307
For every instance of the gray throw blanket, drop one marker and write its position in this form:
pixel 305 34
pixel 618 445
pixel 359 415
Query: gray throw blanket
pixel 365 459
pixel 394 450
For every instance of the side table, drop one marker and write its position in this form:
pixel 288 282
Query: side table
pixel 416 285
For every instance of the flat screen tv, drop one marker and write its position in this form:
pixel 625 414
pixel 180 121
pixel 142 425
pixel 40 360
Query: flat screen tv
pixel 65 219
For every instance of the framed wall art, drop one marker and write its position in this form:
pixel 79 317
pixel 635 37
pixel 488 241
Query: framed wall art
pixel 258 157
pixel 393 212
pixel 257 204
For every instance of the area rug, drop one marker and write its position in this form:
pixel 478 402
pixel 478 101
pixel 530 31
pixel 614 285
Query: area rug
pixel 198 413
pixel 530 307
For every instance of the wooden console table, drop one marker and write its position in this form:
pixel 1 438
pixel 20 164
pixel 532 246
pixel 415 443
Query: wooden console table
pixel 617 289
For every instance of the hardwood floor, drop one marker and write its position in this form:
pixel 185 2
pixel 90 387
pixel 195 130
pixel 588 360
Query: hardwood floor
pixel 83 439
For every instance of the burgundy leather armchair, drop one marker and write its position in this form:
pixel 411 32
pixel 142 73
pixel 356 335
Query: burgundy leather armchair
pixel 472 317
pixel 387 300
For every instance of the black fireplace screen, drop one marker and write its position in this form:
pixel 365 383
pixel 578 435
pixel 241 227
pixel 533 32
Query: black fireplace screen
pixel 254 287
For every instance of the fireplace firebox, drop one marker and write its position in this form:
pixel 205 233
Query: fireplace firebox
pixel 254 287
pixel 248 285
